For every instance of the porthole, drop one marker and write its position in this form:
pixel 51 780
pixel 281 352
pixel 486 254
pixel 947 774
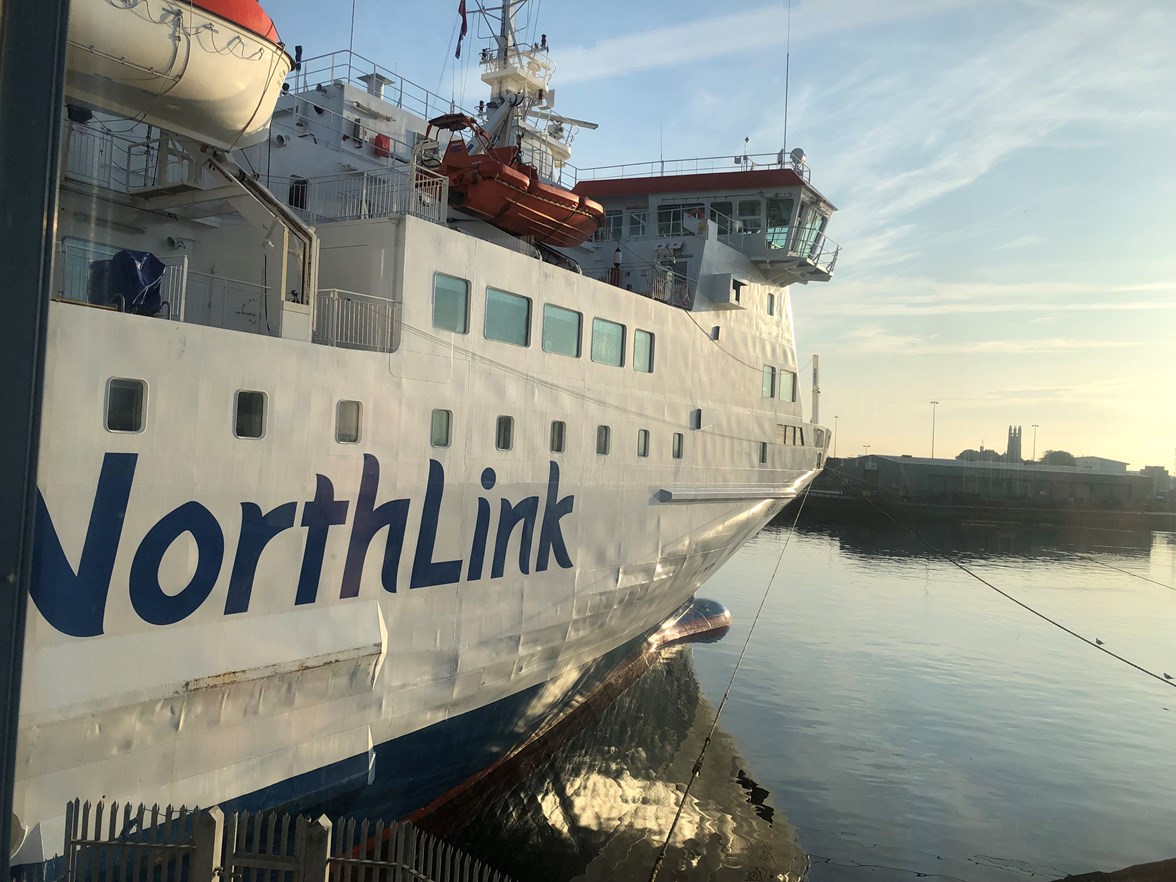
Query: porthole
pixel 504 433
pixel 347 417
pixel 126 405
pixel 439 428
pixel 249 419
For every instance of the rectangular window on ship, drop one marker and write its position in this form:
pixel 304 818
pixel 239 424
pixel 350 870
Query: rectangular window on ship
pixel 608 342
pixel 787 385
pixel 451 303
pixel 643 351
pixel 561 330
pixel 769 386
pixel 508 317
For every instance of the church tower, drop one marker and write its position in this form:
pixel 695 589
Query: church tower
pixel 1013 451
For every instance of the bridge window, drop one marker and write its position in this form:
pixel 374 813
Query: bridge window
pixel 347 415
pixel 439 428
pixel 779 219
pixel 643 351
pixel 508 317
pixel 608 342
pixel 643 442
pixel 769 386
pixel 611 227
pixel 637 223
pixel 721 213
pixel 250 414
pixel 679 442
pixel 750 215
pixel 126 402
pixel 504 433
pixel 559 431
pixel 602 440
pixel 688 219
pixel 763 452
pixel 561 330
pixel 451 303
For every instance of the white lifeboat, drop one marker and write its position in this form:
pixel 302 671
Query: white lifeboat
pixel 207 69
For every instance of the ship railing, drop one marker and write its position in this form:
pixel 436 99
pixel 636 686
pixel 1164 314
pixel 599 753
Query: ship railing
pixel 344 65
pixel 698 165
pixel 385 193
pixel 804 244
pixel 125 163
pixel 665 285
pixel 351 320
pixel 532 59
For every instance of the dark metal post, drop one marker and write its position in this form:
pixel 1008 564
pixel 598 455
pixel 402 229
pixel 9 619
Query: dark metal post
pixel 32 63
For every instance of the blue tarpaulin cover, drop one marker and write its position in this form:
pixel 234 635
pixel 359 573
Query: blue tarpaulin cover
pixel 133 277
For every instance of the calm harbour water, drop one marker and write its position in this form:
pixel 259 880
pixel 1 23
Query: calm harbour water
pixel 894 718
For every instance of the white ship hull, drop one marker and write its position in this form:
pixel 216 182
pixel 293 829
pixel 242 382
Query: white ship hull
pixel 214 615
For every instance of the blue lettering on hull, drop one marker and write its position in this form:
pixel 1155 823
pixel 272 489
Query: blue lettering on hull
pixel 74 601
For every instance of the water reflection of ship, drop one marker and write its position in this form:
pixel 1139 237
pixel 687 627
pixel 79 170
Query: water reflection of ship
pixel 594 801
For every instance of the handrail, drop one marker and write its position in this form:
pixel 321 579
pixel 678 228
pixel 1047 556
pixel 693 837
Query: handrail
pixel 664 167
pixel 351 320
pixel 349 66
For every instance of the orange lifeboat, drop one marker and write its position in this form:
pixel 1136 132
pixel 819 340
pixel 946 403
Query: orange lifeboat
pixel 497 186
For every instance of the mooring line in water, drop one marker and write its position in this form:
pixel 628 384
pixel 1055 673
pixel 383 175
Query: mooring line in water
pixel 694 773
pixel 1166 679
pixel 1120 569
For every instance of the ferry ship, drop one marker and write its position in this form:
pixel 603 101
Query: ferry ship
pixel 374 432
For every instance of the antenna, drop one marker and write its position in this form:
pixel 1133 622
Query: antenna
pixel 787 64
pixel 351 39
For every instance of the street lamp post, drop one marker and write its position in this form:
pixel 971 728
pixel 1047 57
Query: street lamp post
pixel 934 404
pixel 835 418
pixel 1035 442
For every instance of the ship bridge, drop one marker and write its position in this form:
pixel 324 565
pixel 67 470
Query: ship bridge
pixel 765 207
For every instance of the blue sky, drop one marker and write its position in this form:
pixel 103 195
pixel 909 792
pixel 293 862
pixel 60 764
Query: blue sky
pixel 1005 173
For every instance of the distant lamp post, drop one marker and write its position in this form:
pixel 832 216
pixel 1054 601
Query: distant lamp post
pixel 866 447
pixel 1034 443
pixel 835 418
pixel 934 404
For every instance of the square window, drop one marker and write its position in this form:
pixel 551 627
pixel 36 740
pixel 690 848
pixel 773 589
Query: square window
pixel 347 422
pixel 250 414
pixel 608 342
pixel 559 431
pixel 679 442
pixel 439 427
pixel 125 404
pixel 763 452
pixel 451 303
pixel 769 388
pixel 643 442
pixel 561 330
pixel 602 440
pixel 508 317
pixel 504 433
pixel 643 351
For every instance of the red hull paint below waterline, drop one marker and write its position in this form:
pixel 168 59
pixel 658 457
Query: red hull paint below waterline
pixel 516 201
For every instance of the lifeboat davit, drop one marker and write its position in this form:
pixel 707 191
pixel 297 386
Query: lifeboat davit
pixel 210 70
pixel 496 186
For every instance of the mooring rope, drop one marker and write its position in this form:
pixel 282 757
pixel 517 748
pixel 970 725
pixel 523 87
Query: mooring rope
pixel 694 773
pixel 1096 643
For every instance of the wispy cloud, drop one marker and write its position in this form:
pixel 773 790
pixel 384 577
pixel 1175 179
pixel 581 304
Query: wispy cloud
pixel 876 339
pixel 735 34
